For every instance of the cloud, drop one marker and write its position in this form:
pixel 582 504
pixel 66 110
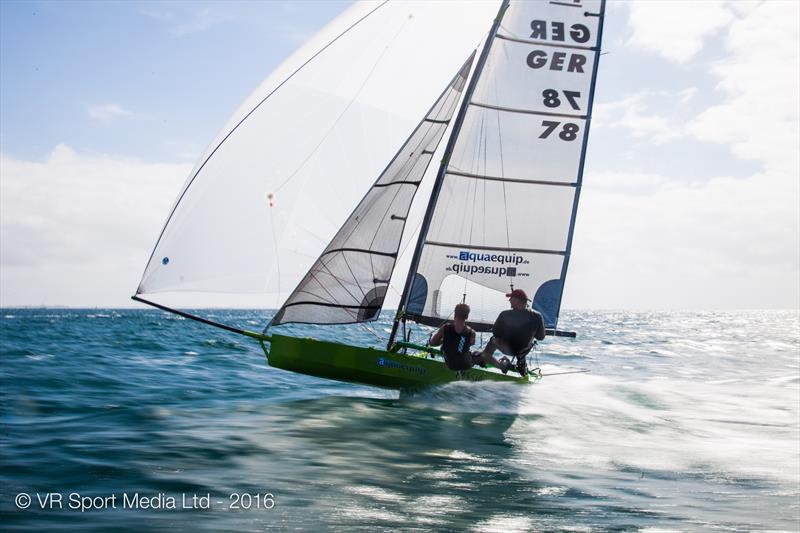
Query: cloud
pixel 675 29
pixel 626 181
pixel 687 94
pixel 695 241
pixel 648 241
pixel 184 150
pixel 77 229
pixel 157 14
pixel 184 19
pixel 109 112
pixel 758 88
pixel 632 114
pixel 200 20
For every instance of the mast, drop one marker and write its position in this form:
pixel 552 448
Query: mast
pixel 437 185
pixel 601 18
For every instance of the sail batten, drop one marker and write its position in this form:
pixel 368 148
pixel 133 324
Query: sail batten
pixel 452 172
pixel 526 111
pixel 550 45
pixel 494 248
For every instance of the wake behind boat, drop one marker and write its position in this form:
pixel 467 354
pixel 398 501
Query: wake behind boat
pixel 495 216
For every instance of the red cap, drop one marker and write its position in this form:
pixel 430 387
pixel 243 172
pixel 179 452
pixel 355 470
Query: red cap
pixel 517 293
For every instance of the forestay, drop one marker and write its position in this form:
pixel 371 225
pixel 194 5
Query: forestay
pixel 506 204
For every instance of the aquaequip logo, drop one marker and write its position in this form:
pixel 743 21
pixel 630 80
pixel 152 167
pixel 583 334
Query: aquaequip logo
pixel 503 259
pixel 499 264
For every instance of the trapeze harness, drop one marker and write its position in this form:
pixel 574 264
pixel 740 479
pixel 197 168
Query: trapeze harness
pixel 455 347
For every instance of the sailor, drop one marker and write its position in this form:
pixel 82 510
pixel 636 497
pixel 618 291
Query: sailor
pixel 513 334
pixel 456 338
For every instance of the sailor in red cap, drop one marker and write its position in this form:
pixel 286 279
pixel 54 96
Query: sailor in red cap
pixel 513 333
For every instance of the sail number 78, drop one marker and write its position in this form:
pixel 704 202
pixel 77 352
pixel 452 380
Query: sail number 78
pixel 550 98
pixel 569 132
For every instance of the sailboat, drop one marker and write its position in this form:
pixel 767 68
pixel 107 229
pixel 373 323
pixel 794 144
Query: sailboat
pixel 488 160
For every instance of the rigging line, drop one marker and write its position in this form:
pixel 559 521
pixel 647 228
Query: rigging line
pixel 302 288
pixel 462 216
pixel 476 149
pixel 353 274
pixel 311 275
pixel 352 313
pixel 368 206
pixel 341 282
pixel 432 141
pixel 408 243
pixel 313 295
pixel 420 133
pixel 281 84
pixel 377 230
pixel 570 372
pixel 445 110
pixel 277 259
pixel 502 165
pixel 197 318
pixel 345 110
pixel 472 224
pixel 485 171
pixel 438 182
pixel 320 239
pixel 374 333
pixel 464 211
pixel 403 172
pixel 327 253
pixel 475 188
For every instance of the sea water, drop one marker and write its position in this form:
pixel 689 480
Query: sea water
pixel 687 422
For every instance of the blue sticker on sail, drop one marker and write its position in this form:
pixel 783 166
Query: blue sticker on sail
pixel 547 300
pixel 165 261
pixel 417 295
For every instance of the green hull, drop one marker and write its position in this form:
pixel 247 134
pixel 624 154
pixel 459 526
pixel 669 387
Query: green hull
pixel 369 366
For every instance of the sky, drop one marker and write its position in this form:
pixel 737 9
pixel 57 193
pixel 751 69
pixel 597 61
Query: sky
pixel 691 191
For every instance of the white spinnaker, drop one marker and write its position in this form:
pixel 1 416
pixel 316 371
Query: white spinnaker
pixel 284 174
pixel 507 202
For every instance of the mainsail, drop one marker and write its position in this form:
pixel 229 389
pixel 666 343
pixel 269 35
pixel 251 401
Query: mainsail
pixel 503 208
pixel 349 281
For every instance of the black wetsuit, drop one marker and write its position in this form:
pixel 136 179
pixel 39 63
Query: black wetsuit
pixel 516 328
pixel 455 347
